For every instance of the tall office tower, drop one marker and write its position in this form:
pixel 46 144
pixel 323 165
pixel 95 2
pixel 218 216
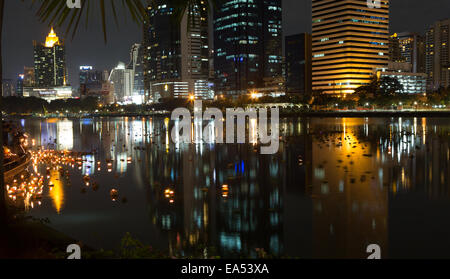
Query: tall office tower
pixel 122 80
pixel 437 55
pixel 248 44
pixel 298 63
pixel 350 42
pixel 408 47
pixel 136 65
pixel 195 50
pixel 50 62
pixel 176 59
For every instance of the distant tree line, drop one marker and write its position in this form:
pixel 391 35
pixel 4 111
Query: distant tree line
pixel 382 93
pixel 30 105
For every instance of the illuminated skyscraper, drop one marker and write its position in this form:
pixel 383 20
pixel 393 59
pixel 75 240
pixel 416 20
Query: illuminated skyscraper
pixel 176 56
pixel 248 43
pixel 122 79
pixel 350 42
pixel 136 65
pixel 50 62
pixel 437 55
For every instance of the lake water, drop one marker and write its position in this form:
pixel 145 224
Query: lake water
pixel 336 186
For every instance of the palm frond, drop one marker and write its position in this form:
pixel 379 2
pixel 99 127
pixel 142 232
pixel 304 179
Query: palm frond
pixel 56 13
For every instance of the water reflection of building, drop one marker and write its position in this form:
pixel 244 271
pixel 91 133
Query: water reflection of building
pixel 56 134
pixel 203 214
pixel 327 193
pixel 349 207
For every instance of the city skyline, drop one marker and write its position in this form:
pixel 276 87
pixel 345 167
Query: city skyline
pixel 89 49
pixel 258 129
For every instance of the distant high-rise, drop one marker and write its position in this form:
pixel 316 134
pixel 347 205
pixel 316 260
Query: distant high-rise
pixel 248 44
pixel 95 83
pixel 89 75
pixel 90 81
pixel 19 85
pixel 408 48
pixel 50 62
pixel 176 56
pixel 136 65
pixel 437 55
pixel 298 63
pixel 8 88
pixel 350 42
pixel 122 79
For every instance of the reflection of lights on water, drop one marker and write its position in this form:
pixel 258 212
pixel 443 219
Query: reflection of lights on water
pixel 114 195
pixel 424 130
pixel 137 131
pixel 225 191
pixel 88 165
pixel 64 131
pixel 122 162
pixel 57 191
pixel 166 124
pixel 170 195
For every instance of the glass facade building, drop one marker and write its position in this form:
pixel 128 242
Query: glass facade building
pixel 350 41
pixel 248 44
pixel 176 54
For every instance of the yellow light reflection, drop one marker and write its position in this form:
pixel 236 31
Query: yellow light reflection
pixel 57 192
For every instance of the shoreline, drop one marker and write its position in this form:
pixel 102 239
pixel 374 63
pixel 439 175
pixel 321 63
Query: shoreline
pixel 320 114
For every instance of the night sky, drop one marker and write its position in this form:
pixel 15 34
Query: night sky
pixel 21 27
